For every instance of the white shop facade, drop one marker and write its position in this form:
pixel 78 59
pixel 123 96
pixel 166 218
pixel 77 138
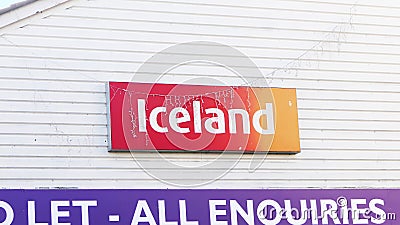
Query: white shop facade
pixel 199 112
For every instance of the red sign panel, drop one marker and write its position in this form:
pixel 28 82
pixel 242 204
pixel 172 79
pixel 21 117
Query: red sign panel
pixel 196 117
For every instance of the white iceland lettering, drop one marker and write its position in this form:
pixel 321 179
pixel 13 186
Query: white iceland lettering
pixel 262 120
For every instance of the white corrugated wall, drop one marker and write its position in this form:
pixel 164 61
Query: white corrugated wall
pixel 341 56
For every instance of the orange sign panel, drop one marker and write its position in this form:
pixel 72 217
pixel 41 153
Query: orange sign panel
pixel 180 117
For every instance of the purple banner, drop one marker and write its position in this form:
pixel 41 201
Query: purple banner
pixel 199 207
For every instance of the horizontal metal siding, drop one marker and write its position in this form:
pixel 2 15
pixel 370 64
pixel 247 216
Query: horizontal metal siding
pixel 341 57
